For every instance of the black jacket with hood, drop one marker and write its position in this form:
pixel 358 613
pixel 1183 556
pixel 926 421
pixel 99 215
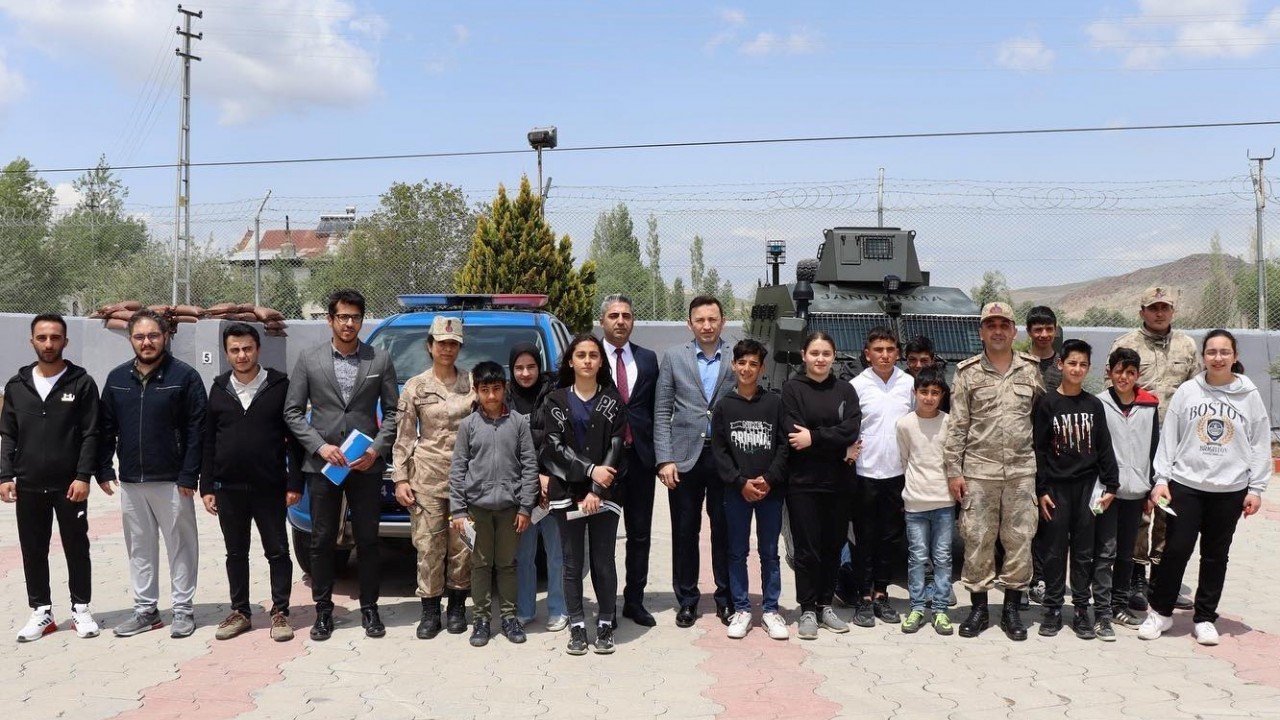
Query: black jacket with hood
pixel 527 401
pixel 249 448
pixel 45 444
pixel 570 466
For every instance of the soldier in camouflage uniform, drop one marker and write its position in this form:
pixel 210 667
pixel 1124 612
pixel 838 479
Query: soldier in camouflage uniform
pixel 991 467
pixel 432 404
pixel 1169 358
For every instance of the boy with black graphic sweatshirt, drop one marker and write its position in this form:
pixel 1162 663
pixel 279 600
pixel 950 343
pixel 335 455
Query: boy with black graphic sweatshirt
pixel 1073 452
pixel 750 451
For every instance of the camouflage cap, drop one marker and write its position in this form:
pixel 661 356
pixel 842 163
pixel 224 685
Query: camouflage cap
pixel 445 327
pixel 1157 294
pixel 997 309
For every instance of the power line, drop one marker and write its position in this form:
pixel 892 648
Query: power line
pixel 694 144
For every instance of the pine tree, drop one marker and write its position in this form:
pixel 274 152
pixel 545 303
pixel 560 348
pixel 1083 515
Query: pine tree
pixel 679 300
pixel 657 287
pixel 284 295
pixel 697 267
pixel 515 250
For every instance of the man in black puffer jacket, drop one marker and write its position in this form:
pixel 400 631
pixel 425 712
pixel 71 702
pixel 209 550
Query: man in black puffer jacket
pixel 252 470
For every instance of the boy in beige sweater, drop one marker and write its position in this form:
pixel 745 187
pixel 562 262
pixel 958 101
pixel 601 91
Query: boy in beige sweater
pixel 930 509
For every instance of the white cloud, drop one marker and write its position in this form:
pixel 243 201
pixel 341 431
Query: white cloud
pixel 259 59
pixel 1025 54
pixel 65 196
pixel 732 16
pixel 1165 30
pixel 12 84
pixel 461 35
pixel 799 42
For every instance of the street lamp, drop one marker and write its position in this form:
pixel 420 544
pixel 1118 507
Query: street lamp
pixel 542 138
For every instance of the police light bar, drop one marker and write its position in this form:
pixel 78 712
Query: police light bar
pixel 429 301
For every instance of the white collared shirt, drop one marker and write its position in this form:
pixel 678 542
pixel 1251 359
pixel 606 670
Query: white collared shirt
pixel 882 404
pixel 628 360
pixel 246 391
pixel 44 385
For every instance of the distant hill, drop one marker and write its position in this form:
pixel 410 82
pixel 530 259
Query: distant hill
pixel 1185 278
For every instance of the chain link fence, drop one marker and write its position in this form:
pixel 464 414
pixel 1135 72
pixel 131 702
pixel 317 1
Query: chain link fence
pixel 1086 249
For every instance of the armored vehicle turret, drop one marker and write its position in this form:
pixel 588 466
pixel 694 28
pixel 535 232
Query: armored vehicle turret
pixel 863 277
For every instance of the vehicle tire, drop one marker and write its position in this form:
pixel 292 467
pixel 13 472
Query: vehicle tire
pixel 302 549
pixel 807 269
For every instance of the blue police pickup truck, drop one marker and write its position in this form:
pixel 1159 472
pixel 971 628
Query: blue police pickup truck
pixel 492 323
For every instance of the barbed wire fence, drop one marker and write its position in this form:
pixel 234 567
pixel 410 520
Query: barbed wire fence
pixel 1085 248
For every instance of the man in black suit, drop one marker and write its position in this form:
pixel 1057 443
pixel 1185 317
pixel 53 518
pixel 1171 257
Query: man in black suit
pixel 635 371
pixel 343 381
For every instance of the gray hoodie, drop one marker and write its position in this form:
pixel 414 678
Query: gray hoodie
pixel 1216 438
pixel 1134 438
pixel 494 464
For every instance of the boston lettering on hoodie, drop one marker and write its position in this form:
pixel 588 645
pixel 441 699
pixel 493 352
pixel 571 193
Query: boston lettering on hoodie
pixel 1216 438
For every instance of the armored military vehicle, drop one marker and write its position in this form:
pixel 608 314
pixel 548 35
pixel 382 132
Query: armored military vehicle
pixel 863 277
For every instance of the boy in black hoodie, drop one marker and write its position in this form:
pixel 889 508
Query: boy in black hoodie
pixel 751 456
pixel 48 448
pixel 251 471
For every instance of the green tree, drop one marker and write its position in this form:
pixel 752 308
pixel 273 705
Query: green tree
pixel 661 298
pixel 96 235
pixel 1218 299
pixel 147 276
pixel 614 234
pixel 1247 293
pixel 697 267
pixel 729 301
pixel 26 206
pixel 283 294
pixel 414 242
pixel 679 301
pixel 1103 317
pixel 616 253
pixel 993 288
pixel 515 250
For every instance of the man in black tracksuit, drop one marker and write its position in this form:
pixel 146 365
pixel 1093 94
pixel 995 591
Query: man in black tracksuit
pixel 251 471
pixel 48 448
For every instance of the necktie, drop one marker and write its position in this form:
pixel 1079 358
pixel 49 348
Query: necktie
pixel 620 374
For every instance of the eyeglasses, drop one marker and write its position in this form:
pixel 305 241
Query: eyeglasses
pixel 1219 353
pixel 346 318
pixel 152 337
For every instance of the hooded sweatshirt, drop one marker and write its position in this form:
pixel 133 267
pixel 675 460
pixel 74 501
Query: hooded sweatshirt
pixel 747 439
pixel 883 403
pixel 829 409
pixel 47 443
pixel 1216 438
pixel 526 401
pixel 1135 433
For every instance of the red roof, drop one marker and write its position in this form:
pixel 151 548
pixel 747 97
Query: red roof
pixel 306 242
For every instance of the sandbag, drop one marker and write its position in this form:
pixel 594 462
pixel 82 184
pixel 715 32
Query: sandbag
pixel 245 308
pixel 185 319
pixel 221 309
pixel 193 311
pixel 266 314
pixel 117 324
pixel 243 317
pixel 274 325
pixel 124 315
pixel 130 305
pixel 160 309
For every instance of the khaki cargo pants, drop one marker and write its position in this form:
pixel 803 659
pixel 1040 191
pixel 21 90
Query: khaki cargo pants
pixel 1149 547
pixel 991 509
pixel 439 547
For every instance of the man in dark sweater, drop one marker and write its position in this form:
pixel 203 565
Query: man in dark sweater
pixel 1073 454
pixel 48 447
pixel 248 454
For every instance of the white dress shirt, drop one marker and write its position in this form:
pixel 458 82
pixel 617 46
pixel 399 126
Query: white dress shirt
pixel 246 391
pixel 628 360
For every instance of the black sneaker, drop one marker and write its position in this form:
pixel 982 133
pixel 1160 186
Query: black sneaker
pixel 863 614
pixel 1184 602
pixel 1124 618
pixel 514 630
pixel 480 634
pixel 577 640
pixel 1138 593
pixel 881 608
pixel 1081 626
pixel 604 640
pixel 1102 629
pixel 1050 622
pixel 1035 593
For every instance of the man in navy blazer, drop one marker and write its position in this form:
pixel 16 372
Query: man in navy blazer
pixel 635 372
pixel 692 378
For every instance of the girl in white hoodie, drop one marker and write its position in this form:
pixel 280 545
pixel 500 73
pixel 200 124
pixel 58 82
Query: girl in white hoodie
pixel 1211 469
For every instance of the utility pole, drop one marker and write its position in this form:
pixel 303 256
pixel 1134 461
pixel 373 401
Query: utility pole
pixel 879 203
pixel 257 256
pixel 1260 202
pixel 182 208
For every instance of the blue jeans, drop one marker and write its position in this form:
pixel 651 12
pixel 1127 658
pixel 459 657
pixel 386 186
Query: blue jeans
pixel 768 514
pixel 929 538
pixel 527 570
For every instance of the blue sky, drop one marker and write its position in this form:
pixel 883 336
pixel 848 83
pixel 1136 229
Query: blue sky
pixel 307 78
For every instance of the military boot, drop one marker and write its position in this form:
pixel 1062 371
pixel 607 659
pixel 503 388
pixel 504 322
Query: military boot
pixel 1010 618
pixel 429 626
pixel 455 620
pixel 978 619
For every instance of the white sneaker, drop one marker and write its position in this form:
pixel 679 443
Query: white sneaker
pixel 557 623
pixel 739 624
pixel 775 625
pixel 1154 626
pixel 86 626
pixel 1206 633
pixel 38 625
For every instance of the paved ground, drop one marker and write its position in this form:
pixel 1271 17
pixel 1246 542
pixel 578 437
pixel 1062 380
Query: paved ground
pixel 666 671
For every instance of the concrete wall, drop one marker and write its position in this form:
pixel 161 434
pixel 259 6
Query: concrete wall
pixel 99 350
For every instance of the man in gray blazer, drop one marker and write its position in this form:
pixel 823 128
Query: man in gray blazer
pixel 343 382
pixel 692 379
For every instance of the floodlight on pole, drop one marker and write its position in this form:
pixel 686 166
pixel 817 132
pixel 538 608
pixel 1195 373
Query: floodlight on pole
pixel 542 138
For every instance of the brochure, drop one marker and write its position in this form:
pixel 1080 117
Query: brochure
pixel 352 448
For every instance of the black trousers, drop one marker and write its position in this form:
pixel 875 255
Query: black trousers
pixel 1128 520
pixel 637 516
pixel 1211 517
pixel 363 494
pixel 238 508
pixel 1070 530
pixel 700 483
pixel 601 531
pixel 1105 527
pixel 819 526
pixel 35 513
pixel 879 524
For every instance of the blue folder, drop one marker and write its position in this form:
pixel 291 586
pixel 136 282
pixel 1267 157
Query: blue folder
pixel 352 448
